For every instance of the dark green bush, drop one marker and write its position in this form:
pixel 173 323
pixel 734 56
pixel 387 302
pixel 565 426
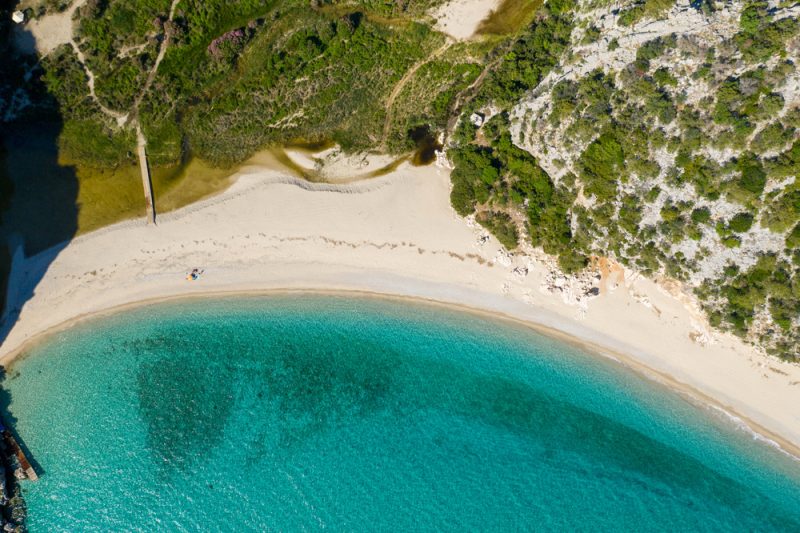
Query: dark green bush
pixel 501 226
pixel 761 37
pixel 701 215
pixel 752 176
pixel 602 163
pixel 741 222
pixel 793 238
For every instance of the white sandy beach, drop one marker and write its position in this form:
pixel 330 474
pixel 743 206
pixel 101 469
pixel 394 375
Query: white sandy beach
pixel 393 235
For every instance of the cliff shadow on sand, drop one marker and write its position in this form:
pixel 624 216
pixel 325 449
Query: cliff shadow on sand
pixel 38 215
pixel 38 193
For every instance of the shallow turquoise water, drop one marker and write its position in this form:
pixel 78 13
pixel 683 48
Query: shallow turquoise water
pixel 298 413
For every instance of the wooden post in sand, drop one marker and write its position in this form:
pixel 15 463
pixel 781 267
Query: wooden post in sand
pixel 147 183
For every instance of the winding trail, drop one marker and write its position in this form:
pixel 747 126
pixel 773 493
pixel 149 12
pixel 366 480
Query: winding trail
pixel 162 50
pixel 141 141
pixel 387 125
pixel 56 29
pixel 469 92
pixel 119 117
pixel 132 116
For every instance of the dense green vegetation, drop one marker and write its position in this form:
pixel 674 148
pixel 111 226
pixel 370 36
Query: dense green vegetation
pixel 761 37
pixel 492 174
pixel 531 55
pixel 344 103
pixel 236 78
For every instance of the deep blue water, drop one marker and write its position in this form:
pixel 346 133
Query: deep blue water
pixel 303 412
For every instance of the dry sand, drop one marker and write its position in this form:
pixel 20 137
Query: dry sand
pixel 461 18
pixel 45 34
pixel 393 235
pixel 335 166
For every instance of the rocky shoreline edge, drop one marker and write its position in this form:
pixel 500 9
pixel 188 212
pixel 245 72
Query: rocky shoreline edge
pixel 14 467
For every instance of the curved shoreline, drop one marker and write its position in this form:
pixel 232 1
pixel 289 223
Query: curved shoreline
pixel 399 238
pixel 593 349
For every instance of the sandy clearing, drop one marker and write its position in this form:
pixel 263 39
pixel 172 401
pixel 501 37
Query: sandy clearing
pixel 461 18
pixel 45 34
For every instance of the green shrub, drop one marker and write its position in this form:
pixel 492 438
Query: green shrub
pixel 602 164
pixel 787 163
pixel 655 47
pixel 472 167
pixel 670 212
pixel 630 213
pixel 752 177
pixel 761 37
pixel 663 77
pixel 772 137
pixel 644 9
pixel 501 226
pixel 784 210
pixel 572 261
pixel 732 241
pixel 563 96
pixel 96 144
pixel 769 106
pixel 701 215
pixel 741 222
pixel 793 238
pixel 66 81
pixel 532 55
pixel 591 35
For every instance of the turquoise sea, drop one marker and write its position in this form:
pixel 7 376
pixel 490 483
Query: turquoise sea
pixel 307 412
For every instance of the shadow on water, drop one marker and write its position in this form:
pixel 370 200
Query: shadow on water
pixel 9 421
pixel 38 210
pixel 427 144
pixel 14 511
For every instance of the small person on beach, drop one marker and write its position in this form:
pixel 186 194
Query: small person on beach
pixel 194 275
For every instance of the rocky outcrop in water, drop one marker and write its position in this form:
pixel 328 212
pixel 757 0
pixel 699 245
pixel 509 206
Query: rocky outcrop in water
pixel 12 505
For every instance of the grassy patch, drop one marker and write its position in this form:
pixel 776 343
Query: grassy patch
pixel 510 17
pixel 178 186
pixel 429 96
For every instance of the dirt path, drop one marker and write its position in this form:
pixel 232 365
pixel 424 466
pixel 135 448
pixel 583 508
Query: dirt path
pixel 120 117
pixel 152 74
pixel 132 117
pixel 45 34
pixel 387 125
pixel 141 141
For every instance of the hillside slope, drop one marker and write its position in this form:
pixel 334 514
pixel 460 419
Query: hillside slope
pixel 663 135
